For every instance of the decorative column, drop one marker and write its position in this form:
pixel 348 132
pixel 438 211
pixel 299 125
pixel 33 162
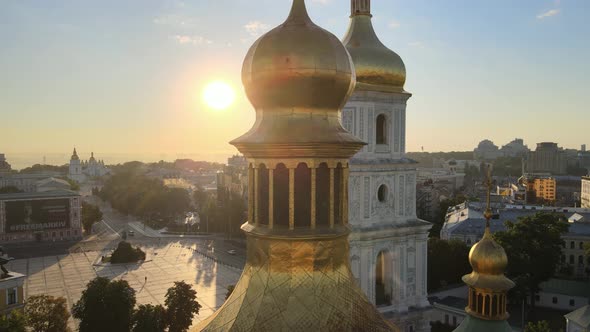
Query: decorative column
pixel 313 198
pixel 331 197
pixel 271 197
pixel 291 198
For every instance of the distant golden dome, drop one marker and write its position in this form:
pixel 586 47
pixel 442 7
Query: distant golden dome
pixel 298 64
pixel 377 67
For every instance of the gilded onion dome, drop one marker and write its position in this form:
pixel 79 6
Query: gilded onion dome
pixel 377 67
pixel 295 73
pixel 74 155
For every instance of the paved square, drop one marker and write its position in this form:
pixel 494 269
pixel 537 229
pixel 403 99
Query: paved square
pixel 67 275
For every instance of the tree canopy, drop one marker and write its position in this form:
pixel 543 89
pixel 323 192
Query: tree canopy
pixel 125 253
pixel 105 306
pixel 448 261
pixel 46 313
pixel 15 322
pixel 132 192
pixel 90 214
pixel 182 305
pixel 533 246
pixel 149 318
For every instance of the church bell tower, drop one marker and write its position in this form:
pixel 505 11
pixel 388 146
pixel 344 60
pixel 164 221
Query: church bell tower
pixel 297 275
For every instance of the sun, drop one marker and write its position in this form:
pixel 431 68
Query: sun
pixel 218 95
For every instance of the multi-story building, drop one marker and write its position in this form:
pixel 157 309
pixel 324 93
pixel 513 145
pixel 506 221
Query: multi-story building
pixel 516 148
pixel 545 189
pixel 40 216
pixel 388 243
pixel 11 292
pixel 585 192
pixel 547 158
pixel 487 150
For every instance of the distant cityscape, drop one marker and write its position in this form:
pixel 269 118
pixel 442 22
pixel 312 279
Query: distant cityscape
pixel 322 221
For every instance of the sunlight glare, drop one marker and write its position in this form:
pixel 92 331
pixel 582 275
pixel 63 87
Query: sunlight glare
pixel 218 95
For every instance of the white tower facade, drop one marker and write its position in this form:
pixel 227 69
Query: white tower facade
pixel 388 243
pixel 75 171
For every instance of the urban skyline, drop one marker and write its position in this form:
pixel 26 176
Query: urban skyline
pixel 73 70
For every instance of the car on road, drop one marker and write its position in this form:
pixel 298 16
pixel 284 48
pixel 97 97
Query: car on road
pixel 231 251
pixel 131 233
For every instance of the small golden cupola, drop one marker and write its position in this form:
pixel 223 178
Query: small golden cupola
pixel 377 67
pixel 75 155
pixel 488 286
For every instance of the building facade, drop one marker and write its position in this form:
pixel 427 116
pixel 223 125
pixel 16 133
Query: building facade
pixel 487 150
pixel 43 216
pixel 80 171
pixel 547 158
pixel 585 192
pixel 388 243
pixel 12 295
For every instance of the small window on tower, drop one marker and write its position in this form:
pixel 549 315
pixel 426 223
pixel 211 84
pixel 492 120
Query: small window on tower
pixel 381 127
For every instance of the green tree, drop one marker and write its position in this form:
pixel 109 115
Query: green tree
pixel 90 214
pixel 14 322
pixel 541 326
pixel 149 318
pixel 181 303
pixel 105 306
pixel 447 262
pixel 200 197
pixel 46 313
pixel 10 190
pixel 533 246
pixel 125 253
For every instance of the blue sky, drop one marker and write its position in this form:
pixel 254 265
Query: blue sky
pixel 126 76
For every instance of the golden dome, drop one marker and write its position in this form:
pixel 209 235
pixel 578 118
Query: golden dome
pixel 377 67
pixel 298 77
pixel 298 64
pixel 488 257
pixel 489 261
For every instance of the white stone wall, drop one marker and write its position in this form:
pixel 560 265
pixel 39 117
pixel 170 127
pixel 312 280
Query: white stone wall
pixel 386 224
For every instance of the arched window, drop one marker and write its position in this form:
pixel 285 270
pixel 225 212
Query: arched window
pixel 383 279
pixel 281 196
pixel 262 195
pixel 581 245
pixel 572 259
pixel 381 128
pixel 488 310
pixel 581 260
pixel 322 195
pixel 382 193
pixel 572 245
pixel 302 196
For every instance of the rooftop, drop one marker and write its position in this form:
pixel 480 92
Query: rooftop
pixel 46 194
pixel 468 219
pixel 580 316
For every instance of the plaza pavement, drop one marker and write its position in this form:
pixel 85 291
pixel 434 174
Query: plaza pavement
pixel 67 275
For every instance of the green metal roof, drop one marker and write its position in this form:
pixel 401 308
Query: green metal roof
pixel 472 324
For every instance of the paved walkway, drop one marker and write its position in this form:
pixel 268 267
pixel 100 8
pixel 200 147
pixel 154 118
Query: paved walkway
pixel 67 275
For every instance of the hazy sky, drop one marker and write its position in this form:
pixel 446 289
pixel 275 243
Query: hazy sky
pixel 126 76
